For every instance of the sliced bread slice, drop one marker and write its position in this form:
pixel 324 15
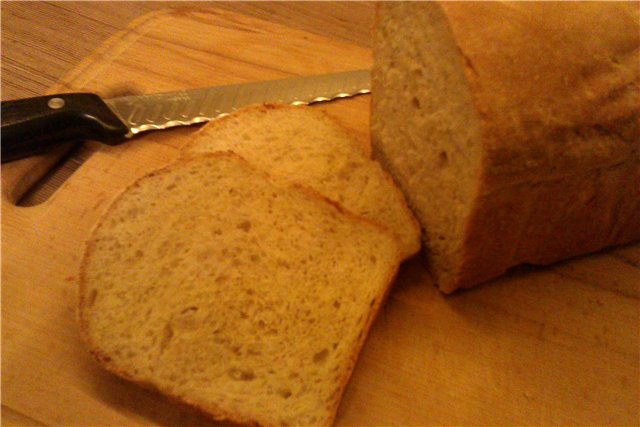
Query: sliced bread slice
pixel 305 145
pixel 233 293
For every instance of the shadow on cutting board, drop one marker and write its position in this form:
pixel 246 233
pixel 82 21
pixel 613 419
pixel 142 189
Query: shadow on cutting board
pixel 144 405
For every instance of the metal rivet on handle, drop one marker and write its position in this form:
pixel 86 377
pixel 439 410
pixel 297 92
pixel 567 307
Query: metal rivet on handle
pixel 56 103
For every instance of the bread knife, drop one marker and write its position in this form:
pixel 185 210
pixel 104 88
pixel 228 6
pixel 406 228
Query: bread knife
pixel 33 125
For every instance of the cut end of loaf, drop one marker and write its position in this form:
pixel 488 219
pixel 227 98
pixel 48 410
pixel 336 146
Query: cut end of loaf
pixel 220 288
pixel 424 129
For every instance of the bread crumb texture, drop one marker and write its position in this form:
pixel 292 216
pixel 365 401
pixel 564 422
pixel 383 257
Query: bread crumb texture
pixel 306 146
pixel 233 293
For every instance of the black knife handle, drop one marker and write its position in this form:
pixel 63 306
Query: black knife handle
pixel 32 125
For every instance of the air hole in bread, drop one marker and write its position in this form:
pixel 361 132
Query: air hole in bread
pixel 167 335
pixel 283 263
pixel 336 304
pixel 415 102
pixel 245 226
pixel 285 393
pixel 241 374
pixel 189 310
pixel 443 159
pixel 134 212
pixel 92 297
pixel 320 356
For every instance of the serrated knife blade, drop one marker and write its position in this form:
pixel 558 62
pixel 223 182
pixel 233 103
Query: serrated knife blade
pixel 164 110
pixel 32 125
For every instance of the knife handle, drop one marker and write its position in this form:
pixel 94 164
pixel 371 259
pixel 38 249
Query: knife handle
pixel 32 125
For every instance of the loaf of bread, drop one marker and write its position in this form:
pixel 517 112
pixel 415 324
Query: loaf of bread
pixel 304 145
pixel 232 292
pixel 512 128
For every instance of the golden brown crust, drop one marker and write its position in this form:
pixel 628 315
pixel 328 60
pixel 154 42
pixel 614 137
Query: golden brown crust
pixel 560 94
pixel 559 105
pixel 373 313
pixel 212 411
pixel 550 221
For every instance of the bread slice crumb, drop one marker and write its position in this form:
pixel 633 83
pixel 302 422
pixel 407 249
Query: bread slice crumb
pixel 304 145
pixel 227 290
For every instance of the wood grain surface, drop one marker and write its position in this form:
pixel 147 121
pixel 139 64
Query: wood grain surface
pixel 545 346
pixel 42 41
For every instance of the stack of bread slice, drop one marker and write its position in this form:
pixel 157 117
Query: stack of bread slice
pixel 243 279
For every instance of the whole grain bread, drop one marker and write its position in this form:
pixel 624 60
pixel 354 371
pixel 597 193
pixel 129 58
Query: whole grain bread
pixel 237 294
pixel 512 128
pixel 304 145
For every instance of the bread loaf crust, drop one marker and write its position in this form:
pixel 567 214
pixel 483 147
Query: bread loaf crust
pixel 561 165
pixel 555 87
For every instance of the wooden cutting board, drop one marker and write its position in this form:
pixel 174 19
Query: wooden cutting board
pixel 556 345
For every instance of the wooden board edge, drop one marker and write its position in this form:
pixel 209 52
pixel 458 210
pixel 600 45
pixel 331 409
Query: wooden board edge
pixel 75 79
pixel 19 176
